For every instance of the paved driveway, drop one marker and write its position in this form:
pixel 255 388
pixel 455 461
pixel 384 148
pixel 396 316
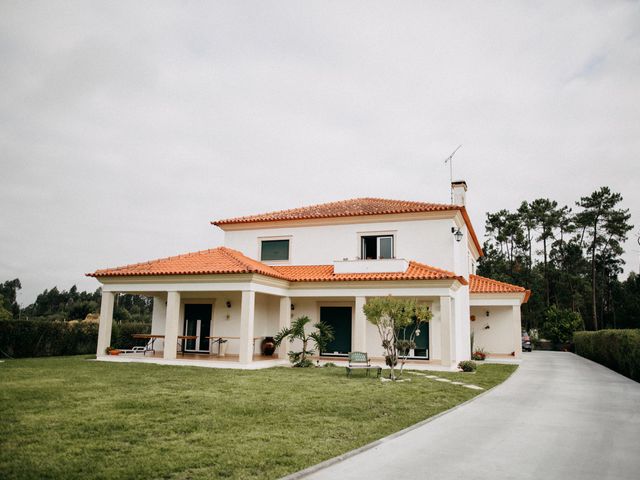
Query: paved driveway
pixel 558 417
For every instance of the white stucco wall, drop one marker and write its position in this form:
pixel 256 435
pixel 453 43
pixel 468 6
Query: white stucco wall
pixel 428 241
pixel 158 318
pixel 462 327
pixel 501 336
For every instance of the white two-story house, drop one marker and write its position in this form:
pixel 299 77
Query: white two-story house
pixel 323 261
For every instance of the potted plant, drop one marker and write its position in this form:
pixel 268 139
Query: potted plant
pixel 112 351
pixel 479 354
pixel 222 350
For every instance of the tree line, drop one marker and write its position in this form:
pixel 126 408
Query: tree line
pixel 569 257
pixel 63 305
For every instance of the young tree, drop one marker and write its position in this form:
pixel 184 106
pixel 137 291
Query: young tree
pixel 9 292
pixel 603 229
pixel 390 315
pixel 547 218
pixel 560 324
pixel 4 313
pixel 320 337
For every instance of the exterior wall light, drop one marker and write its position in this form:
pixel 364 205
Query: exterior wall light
pixel 293 307
pixel 458 234
pixel 228 304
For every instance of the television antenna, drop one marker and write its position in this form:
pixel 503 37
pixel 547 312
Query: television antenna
pixel 450 160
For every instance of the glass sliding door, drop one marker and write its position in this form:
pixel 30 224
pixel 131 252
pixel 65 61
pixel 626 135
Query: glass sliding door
pixel 197 322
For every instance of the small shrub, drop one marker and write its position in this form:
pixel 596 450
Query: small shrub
pixel 304 363
pixel 467 366
pixel 329 365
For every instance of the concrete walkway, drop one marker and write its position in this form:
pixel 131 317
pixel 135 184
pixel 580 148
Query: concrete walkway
pixel 558 417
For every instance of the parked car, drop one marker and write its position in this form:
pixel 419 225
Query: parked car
pixel 527 346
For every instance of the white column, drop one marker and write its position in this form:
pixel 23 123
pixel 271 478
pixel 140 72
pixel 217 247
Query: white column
pixel 171 325
pixel 359 343
pixel 247 314
pixel 106 322
pixel 446 331
pixel 517 325
pixel 158 318
pixel 284 322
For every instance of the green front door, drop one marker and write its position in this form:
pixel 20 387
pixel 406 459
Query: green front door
pixel 339 318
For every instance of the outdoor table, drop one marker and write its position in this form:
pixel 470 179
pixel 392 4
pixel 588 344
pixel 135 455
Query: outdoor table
pixel 221 339
pixel 181 339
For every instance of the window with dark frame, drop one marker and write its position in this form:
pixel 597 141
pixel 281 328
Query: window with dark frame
pixel 272 250
pixel 375 247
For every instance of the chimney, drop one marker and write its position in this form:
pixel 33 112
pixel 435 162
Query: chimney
pixel 459 189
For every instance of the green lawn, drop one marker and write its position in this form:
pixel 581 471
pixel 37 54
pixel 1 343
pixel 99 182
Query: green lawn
pixel 70 418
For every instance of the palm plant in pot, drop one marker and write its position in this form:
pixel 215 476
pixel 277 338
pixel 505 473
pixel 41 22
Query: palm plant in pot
pixel 319 337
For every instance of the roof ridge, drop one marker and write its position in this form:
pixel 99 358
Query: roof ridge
pixel 226 251
pixel 262 268
pixel 297 210
pixel 424 265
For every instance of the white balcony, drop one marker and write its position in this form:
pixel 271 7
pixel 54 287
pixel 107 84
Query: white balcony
pixel 387 265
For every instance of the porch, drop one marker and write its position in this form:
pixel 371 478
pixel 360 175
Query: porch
pixel 189 322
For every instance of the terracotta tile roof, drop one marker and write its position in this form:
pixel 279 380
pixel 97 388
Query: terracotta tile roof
pixel 213 261
pixel 226 260
pixel 324 273
pixel 353 208
pixel 345 208
pixel 478 284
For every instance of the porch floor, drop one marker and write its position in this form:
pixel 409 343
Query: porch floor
pixel 197 360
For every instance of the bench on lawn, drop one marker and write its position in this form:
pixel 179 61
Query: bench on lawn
pixel 361 360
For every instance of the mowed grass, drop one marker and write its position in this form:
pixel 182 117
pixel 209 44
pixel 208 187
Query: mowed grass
pixel 72 418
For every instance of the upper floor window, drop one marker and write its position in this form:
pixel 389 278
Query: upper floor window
pixel 376 247
pixel 274 250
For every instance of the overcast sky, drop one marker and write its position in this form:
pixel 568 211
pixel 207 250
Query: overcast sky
pixel 125 127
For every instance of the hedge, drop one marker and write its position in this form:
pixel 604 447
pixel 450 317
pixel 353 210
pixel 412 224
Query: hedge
pixel 617 349
pixel 28 338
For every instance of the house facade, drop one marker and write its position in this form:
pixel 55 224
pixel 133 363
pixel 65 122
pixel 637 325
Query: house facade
pixel 325 261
